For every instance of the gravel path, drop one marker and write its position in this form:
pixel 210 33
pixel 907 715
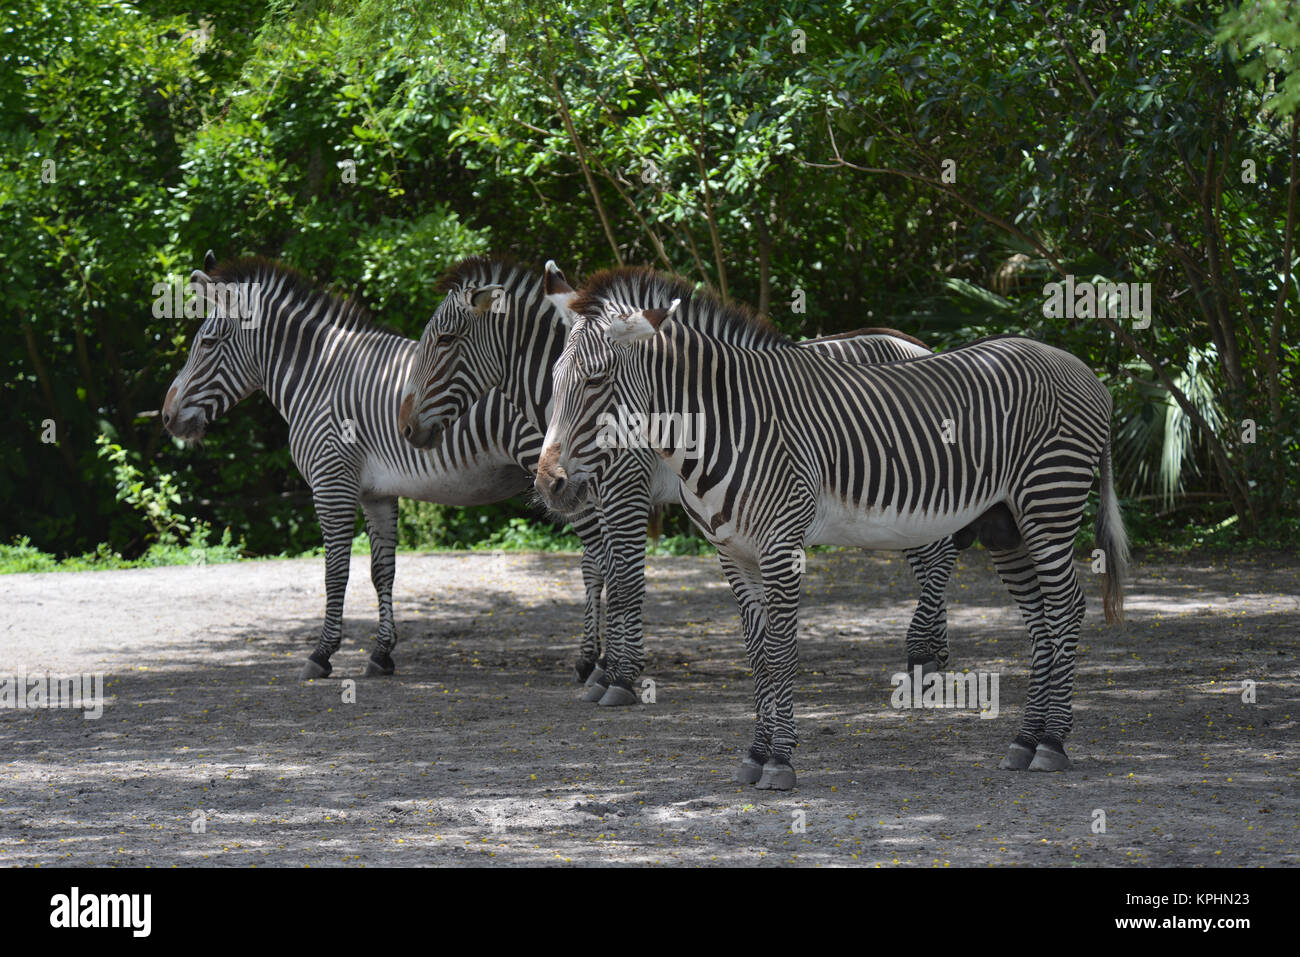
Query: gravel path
pixel 478 752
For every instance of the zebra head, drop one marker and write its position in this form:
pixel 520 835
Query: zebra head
pixel 469 344
pixel 597 380
pixel 219 372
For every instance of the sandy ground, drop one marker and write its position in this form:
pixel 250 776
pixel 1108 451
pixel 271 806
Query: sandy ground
pixel 478 752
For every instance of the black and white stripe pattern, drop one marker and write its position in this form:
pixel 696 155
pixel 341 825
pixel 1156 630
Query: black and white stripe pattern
pixel 501 327
pixel 497 331
pixel 336 379
pixel 802 449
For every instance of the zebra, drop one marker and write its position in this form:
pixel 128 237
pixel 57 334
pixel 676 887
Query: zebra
pixel 336 377
pixel 802 449
pixel 493 331
pixel 474 286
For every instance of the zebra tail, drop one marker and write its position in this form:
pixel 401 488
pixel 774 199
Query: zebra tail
pixel 655 523
pixel 1113 541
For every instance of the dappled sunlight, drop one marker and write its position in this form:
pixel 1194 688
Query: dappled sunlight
pixel 478 750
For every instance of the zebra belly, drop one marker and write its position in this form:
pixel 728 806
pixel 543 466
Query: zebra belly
pixel 870 526
pixel 665 486
pixel 723 535
pixel 481 485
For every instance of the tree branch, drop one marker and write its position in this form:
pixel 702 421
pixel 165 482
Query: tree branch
pixel 581 154
pixel 1237 491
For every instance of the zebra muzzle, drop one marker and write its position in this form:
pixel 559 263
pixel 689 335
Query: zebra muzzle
pixel 551 481
pixel 185 424
pixel 561 490
pixel 409 425
pixel 422 438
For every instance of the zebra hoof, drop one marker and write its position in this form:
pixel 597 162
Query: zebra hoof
pixel 315 668
pixel 927 666
pixel 1049 756
pixel 598 676
pixel 584 668
pixel 777 776
pixel 1018 757
pixel 616 696
pixel 595 690
pixel 750 770
pixel 380 665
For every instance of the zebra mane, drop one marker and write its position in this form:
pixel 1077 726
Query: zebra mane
pixel 874 331
pixel 482 270
pixel 340 312
pixel 701 308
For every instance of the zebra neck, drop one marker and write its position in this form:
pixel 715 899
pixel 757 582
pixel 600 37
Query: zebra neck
pixel 531 348
pixel 304 347
pixel 691 417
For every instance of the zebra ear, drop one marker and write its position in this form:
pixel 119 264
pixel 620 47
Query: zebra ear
pixel 640 326
pixel 558 291
pixel 637 327
pixel 209 261
pixel 485 298
pixel 657 317
pixel 555 281
pixel 201 298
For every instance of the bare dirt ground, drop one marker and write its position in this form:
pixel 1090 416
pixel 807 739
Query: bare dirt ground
pixel 478 752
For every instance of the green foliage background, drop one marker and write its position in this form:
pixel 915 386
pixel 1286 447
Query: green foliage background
pixel 763 149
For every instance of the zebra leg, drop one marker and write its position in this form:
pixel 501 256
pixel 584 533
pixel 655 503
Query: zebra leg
pixel 1040 574
pixel 589 665
pixel 747 586
pixel 381 526
pixel 781 582
pixel 525 445
pixel 1049 512
pixel 336 510
pixel 927 633
pixel 625 538
pixel 1054 665
pixel 1016 569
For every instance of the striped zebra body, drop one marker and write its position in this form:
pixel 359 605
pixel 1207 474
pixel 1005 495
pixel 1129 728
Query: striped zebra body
pixel 635 480
pixel 501 328
pixel 437 391
pixel 803 449
pixel 336 379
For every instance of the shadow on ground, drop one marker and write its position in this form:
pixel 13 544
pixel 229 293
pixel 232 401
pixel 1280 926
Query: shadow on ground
pixel 477 751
